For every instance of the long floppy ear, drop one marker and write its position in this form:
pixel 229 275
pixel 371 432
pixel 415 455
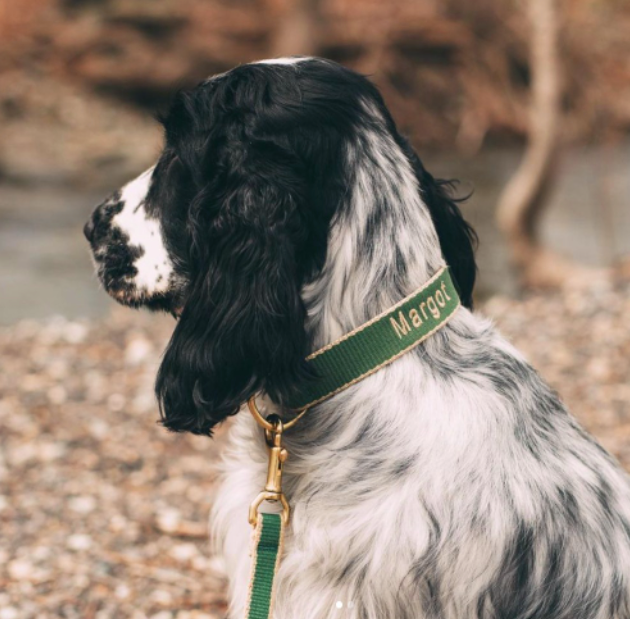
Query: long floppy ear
pixel 457 238
pixel 242 328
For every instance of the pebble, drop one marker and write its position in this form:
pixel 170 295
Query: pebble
pixel 184 552
pixel 79 541
pixel 20 569
pixel 138 351
pixel 169 519
pixel 82 504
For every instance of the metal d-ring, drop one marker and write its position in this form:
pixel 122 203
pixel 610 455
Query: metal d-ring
pixel 266 424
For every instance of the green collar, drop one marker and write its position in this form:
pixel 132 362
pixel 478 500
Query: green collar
pixel 379 341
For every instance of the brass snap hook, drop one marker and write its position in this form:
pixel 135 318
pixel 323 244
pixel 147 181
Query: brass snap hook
pixel 273 487
pixel 273 427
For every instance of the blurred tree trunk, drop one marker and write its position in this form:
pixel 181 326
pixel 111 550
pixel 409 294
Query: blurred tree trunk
pixel 298 30
pixel 526 194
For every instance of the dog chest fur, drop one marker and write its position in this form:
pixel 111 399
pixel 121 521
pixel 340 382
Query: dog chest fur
pixel 455 493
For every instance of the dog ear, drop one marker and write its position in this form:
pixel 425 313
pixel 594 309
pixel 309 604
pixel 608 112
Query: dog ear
pixel 242 328
pixel 458 240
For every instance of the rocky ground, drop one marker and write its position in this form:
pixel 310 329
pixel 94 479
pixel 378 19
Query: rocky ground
pixel 103 514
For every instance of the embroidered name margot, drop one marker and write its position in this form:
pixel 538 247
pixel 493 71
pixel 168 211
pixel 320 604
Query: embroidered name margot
pixel 418 315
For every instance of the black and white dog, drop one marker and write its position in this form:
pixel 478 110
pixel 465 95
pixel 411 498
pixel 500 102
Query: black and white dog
pixel 284 211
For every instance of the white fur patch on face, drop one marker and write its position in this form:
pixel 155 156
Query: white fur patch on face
pixel 285 61
pixel 154 266
pixel 278 61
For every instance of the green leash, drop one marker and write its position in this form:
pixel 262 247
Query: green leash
pixel 337 366
pixel 265 561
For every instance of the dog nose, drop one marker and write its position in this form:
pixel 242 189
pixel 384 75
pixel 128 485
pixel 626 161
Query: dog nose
pixel 88 229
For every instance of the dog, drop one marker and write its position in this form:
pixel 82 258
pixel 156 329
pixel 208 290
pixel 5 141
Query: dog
pixel 285 211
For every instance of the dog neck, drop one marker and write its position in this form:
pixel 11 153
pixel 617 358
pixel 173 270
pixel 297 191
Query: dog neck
pixel 382 246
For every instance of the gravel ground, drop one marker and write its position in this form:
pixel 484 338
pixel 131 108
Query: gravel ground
pixel 103 514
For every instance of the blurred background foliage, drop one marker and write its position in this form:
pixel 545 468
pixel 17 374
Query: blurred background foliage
pixel 80 82
pixel 456 74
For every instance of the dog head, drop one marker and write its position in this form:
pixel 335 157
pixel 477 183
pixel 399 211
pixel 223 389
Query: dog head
pixel 262 166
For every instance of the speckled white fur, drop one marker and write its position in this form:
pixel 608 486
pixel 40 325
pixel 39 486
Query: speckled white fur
pixel 154 265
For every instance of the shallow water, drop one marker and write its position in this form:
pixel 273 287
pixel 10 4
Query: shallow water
pixel 45 266
pixel 587 220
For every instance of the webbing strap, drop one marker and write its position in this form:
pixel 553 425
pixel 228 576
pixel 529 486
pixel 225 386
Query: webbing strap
pixel 266 552
pixel 379 341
